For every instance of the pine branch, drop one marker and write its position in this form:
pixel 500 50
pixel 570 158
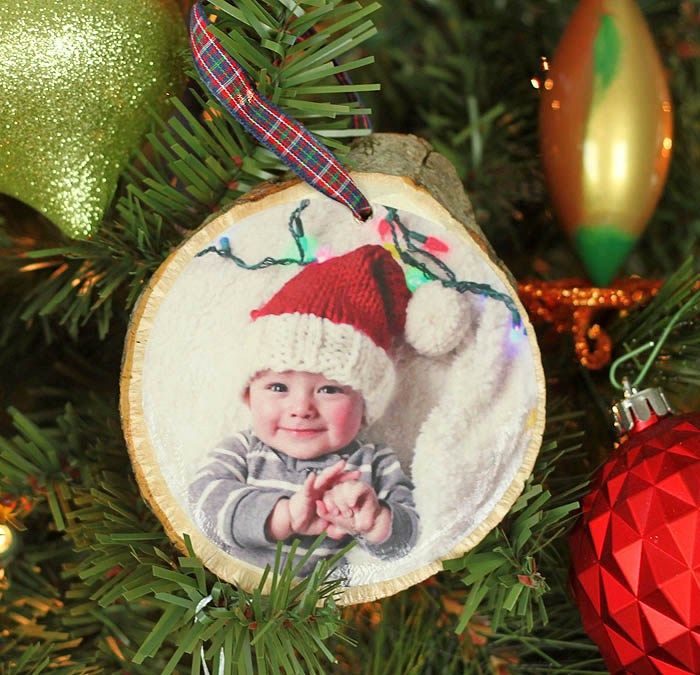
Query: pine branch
pixel 459 74
pixel 407 634
pixel 413 633
pixel 31 463
pixel 83 280
pixel 502 605
pixel 674 231
pixel 104 587
pixel 677 368
pixel 200 160
pixel 446 79
pixel 502 572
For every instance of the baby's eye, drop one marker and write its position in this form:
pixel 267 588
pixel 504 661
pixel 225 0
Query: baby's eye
pixel 331 389
pixel 277 386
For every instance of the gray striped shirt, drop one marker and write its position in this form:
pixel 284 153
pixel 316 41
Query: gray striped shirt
pixel 235 491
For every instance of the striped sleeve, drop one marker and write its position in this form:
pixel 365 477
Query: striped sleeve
pixel 394 489
pixel 225 506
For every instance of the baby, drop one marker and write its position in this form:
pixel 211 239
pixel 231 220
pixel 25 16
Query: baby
pixel 315 366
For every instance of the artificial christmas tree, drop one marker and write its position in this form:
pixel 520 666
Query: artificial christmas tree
pixel 92 584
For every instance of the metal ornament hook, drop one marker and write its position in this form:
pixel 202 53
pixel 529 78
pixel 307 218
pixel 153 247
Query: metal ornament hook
pixel 639 409
pixel 649 345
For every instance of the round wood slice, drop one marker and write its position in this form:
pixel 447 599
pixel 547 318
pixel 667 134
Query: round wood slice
pixel 467 426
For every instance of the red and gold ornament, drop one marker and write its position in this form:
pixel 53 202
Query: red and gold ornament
pixel 636 549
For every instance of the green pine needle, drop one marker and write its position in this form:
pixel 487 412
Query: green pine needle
pixel 200 162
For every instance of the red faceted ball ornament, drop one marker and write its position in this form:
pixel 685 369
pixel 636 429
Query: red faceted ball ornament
pixel 636 551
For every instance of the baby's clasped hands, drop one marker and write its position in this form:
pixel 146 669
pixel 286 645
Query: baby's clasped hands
pixel 352 507
pixel 333 501
pixel 297 514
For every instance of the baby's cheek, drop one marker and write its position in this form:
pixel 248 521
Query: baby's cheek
pixel 349 413
pixel 345 419
pixel 340 414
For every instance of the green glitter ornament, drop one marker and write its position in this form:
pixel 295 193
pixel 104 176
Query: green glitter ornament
pixel 77 81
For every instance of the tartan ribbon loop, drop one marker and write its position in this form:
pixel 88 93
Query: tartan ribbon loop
pixel 287 138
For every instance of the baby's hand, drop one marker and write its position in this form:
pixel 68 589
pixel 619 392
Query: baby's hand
pixel 352 507
pixel 297 515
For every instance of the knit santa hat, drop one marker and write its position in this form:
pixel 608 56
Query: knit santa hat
pixel 339 318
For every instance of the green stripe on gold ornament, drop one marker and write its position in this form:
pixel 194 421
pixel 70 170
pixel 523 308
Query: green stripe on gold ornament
pixel 606 54
pixel 603 249
pixel 606 130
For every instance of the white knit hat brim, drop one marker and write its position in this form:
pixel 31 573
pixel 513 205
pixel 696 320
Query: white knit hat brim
pixel 309 343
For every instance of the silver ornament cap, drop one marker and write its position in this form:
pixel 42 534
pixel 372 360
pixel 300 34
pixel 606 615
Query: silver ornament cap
pixel 639 409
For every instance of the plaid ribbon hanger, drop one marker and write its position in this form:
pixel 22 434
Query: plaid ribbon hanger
pixel 284 136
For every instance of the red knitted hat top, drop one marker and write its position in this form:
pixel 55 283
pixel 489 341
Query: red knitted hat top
pixel 365 288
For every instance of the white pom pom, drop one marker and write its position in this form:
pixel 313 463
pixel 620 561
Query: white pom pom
pixel 437 318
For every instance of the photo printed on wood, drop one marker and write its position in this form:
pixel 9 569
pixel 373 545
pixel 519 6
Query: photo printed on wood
pixel 291 371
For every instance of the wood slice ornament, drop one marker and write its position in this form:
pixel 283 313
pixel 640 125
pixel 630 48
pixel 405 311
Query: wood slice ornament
pixel 283 283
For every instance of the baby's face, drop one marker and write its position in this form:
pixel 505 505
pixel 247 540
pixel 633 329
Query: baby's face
pixel 304 415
